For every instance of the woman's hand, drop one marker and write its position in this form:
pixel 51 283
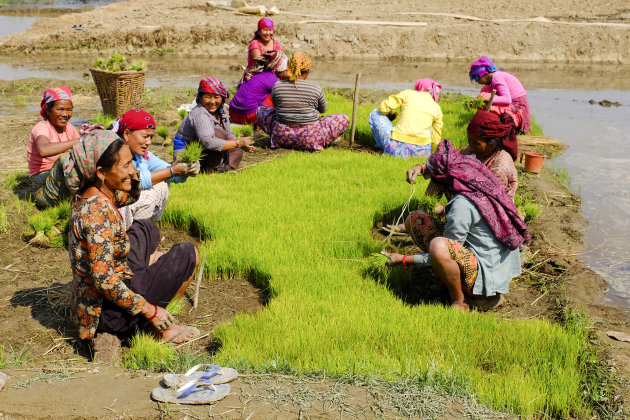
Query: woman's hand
pixel 194 168
pixel 179 169
pixel 159 317
pixel 393 258
pixel 246 143
pixel 413 173
pixel 439 209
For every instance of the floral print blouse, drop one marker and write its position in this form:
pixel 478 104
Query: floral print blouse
pixel 98 247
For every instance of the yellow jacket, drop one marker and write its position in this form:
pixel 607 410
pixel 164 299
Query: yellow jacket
pixel 418 113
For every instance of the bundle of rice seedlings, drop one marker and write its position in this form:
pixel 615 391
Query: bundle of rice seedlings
pixel 162 131
pixel 247 130
pixel 236 131
pixel 42 225
pixel 175 306
pixel 182 113
pixel 191 153
pixel 103 119
pixel 477 103
pixel 375 267
pixel 149 354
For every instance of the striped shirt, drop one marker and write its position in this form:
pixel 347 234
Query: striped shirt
pixel 299 103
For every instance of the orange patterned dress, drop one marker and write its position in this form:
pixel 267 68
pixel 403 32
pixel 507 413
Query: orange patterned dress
pixel 98 247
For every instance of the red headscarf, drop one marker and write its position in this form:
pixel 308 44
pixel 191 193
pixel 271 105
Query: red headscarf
pixel 489 125
pixel 53 94
pixel 265 23
pixel 212 85
pixel 136 119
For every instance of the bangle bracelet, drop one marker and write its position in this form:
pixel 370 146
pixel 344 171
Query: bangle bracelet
pixel 172 173
pixel 154 313
pixel 405 260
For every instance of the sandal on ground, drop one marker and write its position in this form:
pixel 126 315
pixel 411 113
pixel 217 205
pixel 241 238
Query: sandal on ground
pixel 193 392
pixel 210 373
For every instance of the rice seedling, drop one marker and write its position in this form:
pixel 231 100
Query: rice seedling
pixel 176 306
pixel 49 227
pixel 236 130
pixel 475 104
pixel 4 221
pixel 191 153
pixel 148 354
pixel 103 119
pixel 247 130
pixel 306 239
pixel 162 131
pixel 182 113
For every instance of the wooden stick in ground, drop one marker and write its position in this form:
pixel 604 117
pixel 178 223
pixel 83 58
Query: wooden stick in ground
pixel 199 276
pixel 490 100
pixel 357 82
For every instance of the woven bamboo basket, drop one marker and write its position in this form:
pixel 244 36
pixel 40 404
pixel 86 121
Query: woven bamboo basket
pixel 119 91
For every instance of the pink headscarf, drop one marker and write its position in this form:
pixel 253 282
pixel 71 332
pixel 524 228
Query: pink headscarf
pixel 431 86
pixel 265 23
pixel 56 93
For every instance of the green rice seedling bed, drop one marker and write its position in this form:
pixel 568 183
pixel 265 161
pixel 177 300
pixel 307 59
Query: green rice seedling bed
pixel 300 227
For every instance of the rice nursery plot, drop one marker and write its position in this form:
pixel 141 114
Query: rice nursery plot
pixel 300 226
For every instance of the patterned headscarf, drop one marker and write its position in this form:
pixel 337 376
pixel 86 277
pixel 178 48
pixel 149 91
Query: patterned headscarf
pixel 57 93
pixel 212 85
pixel 136 119
pixel 300 62
pixel 431 86
pixel 489 125
pixel 481 67
pixel 468 176
pixel 79 166
pixel 267 61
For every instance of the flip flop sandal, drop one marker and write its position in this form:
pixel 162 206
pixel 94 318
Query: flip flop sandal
pixel 193 392
pixel 215 375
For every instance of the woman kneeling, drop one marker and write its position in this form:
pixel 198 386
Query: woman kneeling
pixel 295 121
pixel 119 280
pixel 478 252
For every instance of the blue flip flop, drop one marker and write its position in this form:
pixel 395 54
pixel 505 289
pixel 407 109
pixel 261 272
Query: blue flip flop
pixel 210 373
pixel 193 392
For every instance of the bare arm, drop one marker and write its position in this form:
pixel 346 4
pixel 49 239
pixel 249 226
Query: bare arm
pixel 45 148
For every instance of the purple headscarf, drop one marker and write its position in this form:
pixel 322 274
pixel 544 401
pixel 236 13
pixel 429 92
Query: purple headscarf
pixel 481 67
pixel 431 86
pixel 468 176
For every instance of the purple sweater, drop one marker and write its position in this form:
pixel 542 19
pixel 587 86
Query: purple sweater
pixel 507 86
pixel 252 93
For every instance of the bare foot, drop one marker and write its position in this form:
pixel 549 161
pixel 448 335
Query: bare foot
pixel 155 256
pixel 395 228
pixel 179 333
pixel 463 307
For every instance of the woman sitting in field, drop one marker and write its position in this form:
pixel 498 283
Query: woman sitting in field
pixel 492 140
pixel 295 122
pixel 49 138
pixel 209 124
pixel 137 128
pixel 420 124
pixel 477 253
pixel 509 90
pixel 120 281
pixel 255 88
pixel 262 42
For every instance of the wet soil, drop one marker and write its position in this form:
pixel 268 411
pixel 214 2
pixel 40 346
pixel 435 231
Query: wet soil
pixel 51 376
pixel 577 31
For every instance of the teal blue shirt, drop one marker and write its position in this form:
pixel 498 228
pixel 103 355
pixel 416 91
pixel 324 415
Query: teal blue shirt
pixel 498 264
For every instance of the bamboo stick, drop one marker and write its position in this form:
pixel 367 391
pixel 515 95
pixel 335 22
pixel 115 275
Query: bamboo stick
pixel 357 83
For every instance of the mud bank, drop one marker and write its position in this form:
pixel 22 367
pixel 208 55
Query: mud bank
pixel 577 32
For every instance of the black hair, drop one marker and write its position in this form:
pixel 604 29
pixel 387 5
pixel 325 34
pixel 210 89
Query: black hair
pixel 110 156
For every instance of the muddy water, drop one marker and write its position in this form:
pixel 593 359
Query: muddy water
pixel 14 24
pixel 598 139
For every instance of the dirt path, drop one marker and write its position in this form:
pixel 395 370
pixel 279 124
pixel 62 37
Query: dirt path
pixel 189 27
